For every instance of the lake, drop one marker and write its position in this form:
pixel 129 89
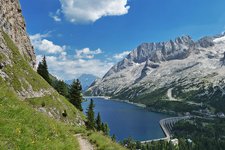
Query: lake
pixel 127 120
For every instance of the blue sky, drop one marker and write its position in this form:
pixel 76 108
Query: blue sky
pixel 89 36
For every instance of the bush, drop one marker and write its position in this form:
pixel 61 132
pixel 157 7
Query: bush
pixel 64 114
pixel 43 104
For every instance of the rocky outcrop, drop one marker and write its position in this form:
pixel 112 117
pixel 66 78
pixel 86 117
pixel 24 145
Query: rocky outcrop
pixel 180 48
pixel 12 22
pixel 16 61
pixel 191 68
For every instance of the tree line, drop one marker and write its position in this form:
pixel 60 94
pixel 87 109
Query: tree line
pixel 95 123
pixel 73 93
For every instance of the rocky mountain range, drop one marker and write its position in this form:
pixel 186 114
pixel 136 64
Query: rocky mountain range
pixel 176 71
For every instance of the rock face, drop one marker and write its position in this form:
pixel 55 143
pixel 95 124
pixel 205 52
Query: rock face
pixel 189 69
pixel 17 75
pixel 12 22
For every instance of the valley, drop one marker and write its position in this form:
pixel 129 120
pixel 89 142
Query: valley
pixel 72 79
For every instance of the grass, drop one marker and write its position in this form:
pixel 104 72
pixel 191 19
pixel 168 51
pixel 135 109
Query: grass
pixel 21 74
pixel 21 127
pixel 23 77
pixel 102 142
pixel 60 103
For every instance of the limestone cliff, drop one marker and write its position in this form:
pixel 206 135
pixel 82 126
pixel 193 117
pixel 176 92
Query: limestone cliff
pixel 18 77
pixel 12 22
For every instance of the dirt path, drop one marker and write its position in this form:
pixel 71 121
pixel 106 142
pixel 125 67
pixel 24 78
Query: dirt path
pixel 169 95
pixel 84 143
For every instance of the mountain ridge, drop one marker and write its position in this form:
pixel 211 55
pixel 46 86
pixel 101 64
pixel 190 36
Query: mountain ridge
pixel 154 68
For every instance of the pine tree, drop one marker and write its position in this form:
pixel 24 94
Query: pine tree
pixel 98 122
pixel 61 88
pixel 106 129
pixel 75 95
pixel 103 127
pixel 40 68
pixel 43 70
pixel 113 138
pixel 91 116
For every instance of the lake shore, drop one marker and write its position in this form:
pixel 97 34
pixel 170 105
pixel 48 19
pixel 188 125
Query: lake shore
pixel 125 106
pixel 125 101
pixel 136 104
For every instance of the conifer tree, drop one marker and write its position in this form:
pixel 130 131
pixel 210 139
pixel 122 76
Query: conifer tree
pixel 98 122
pixel 113 138
pixel 61 87
pixel 91 116
pixel 103 127
pixel 40 68
pixel 106 129
pixel 43 70
pixel 75 95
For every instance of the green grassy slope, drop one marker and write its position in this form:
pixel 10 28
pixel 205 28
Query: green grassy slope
pixel 102 142
pixel 23 79
pixel 22 126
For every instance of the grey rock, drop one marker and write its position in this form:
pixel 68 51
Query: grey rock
pixel 153 66
pixel 12 22
pixel 205 42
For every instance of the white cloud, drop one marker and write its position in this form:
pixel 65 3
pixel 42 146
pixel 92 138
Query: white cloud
pixel 86 11
pixel 121 55
pixel 66 66
pixel 68 69
pixel 41 44
pixel 87 53
pixel 56 16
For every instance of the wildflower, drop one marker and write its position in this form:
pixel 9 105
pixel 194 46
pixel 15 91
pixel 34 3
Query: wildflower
pixel 18 130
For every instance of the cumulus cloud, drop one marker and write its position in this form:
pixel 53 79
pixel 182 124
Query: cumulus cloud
pixel 68 68
pixel 41 44
pixel 121 55
pixel 86 11
pixel 87 53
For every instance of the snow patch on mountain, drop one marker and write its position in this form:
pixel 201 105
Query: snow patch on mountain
pixel 190 65
pixel 220 39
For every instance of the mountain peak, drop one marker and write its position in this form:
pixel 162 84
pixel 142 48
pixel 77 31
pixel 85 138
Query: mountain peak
pixel 184 39
pixel 162 51
pixel 153 67
pixel 156 52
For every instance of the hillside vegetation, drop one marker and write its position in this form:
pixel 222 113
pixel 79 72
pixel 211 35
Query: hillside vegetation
pixel 32 113
pixel 21 127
